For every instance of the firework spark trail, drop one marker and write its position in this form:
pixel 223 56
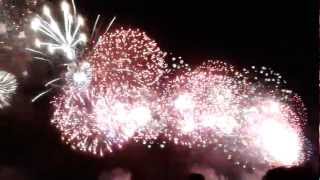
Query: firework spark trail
pixel 65 40
pixel 8 86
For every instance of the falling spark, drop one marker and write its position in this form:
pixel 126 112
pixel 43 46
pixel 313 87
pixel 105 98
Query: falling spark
pixel 95 26
pixel 40 95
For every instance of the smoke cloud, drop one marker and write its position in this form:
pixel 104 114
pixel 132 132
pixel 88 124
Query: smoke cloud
pixel 115 174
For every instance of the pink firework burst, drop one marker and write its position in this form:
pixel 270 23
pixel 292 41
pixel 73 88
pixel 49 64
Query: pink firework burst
pixel 120 103
pixel 203 103
pixel 128 55
pixel 239 112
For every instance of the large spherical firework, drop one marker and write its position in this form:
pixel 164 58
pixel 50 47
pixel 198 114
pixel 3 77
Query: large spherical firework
pixel 118 105
pixel 129 55
pixel 203 103
pixel 8 86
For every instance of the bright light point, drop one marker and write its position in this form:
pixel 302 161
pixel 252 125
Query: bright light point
pixel 80 21
pixel 80 77
pixel 141 115
pixel 280 142
pixel 188 126
pixel 83 37
pixel 184 102
pixel 35 24
pixel 50 49
pixel 46 11
pixel 65 6
pixel 37 43
pixel 69 52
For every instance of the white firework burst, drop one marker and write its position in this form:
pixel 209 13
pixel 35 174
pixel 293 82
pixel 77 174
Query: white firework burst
pixel 8 86
pixel 64 40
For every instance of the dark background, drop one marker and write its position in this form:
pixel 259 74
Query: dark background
pixel 278 34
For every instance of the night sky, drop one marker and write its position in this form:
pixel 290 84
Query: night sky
pixel 277 34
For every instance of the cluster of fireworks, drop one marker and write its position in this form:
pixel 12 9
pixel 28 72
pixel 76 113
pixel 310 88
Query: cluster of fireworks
pixel 245 113
pixel 123 90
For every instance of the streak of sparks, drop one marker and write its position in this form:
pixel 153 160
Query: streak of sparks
pixel 8 86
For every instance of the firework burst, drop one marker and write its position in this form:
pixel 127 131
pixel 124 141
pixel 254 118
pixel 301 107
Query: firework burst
pixel 8 86
pixel 273 120
pixel 79 75
pixel 236 111
pixel 119 104
pixel 56 39
pixel 200 102
pixel 129 55
pixel 97 122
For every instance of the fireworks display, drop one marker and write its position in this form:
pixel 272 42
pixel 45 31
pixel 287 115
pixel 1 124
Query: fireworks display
pixel 8 86
pixel 64 40
pixel 131 94
pixel 123 88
